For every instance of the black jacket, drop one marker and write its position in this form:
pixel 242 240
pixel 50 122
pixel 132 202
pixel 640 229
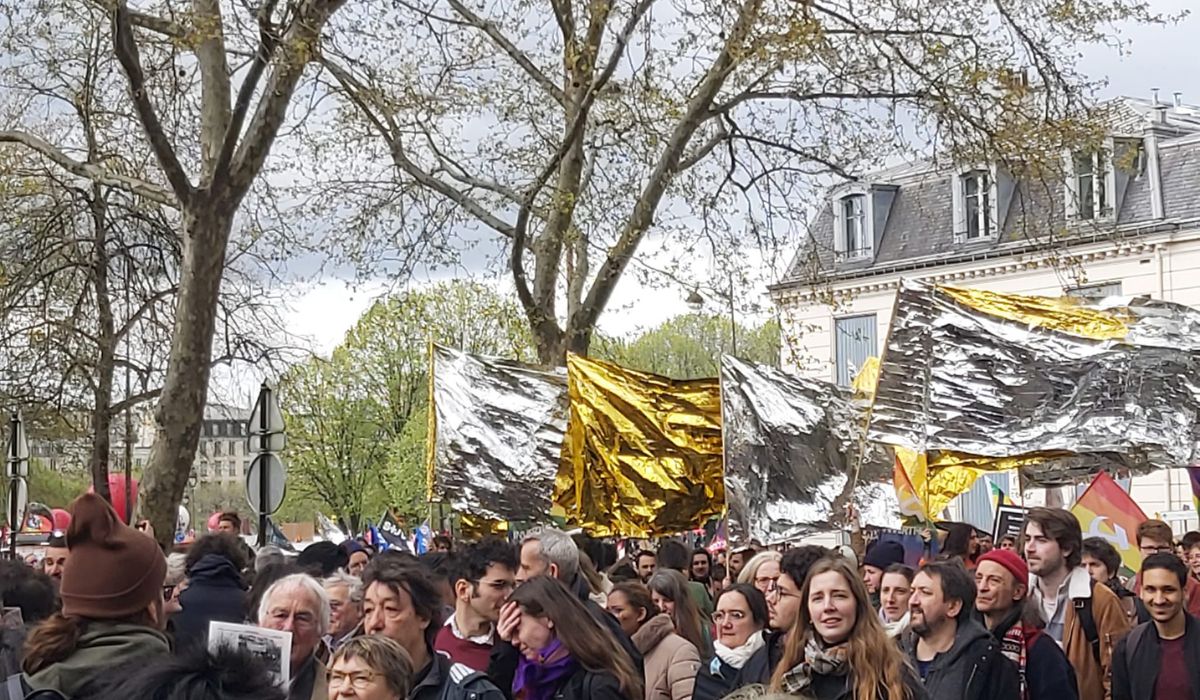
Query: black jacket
pixel 1137 657
pixel 445 680
pixel 715 680
pixel 973 669
pixel 585 685
pixel 215 592
pixel 838 688
pixel 761 666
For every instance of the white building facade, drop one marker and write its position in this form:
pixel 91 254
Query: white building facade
pixel 1126 222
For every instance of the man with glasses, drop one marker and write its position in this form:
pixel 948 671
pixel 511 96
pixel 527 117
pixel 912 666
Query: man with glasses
pixel 1155 537
pixel 485 574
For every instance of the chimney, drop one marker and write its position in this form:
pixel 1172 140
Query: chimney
pixel 1178 100
pixel 1154 129
pixel 1154 96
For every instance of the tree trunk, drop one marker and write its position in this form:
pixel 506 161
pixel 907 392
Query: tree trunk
pixel 107 348
pixel 179 415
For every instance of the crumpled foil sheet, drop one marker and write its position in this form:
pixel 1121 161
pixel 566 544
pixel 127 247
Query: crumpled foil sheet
pixel 791 454
pixel 496 434
pixel 1055 386
pixel 642 455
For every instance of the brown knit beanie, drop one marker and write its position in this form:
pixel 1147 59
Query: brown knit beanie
pixel 113 571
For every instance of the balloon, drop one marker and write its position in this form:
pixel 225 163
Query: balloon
pixel 116 488
pixel 214 521
pixel 62 519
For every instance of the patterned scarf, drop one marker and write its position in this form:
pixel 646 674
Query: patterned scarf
pixel 825 661
pixel 1014 640
pixel 538 680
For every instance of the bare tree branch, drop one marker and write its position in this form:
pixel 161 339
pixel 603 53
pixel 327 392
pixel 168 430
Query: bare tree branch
pixel 509 48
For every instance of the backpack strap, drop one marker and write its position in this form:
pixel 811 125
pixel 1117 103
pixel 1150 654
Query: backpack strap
pixel 1087 619
pixel 13 688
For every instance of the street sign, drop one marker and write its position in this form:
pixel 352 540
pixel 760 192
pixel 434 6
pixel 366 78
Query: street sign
pixel 17 454
pixel 266 423
pixel 18 498
pixel 275 483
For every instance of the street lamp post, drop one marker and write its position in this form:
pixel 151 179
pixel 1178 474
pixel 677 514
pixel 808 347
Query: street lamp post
pixel 265 478
pixel 18 472
pixel 695 300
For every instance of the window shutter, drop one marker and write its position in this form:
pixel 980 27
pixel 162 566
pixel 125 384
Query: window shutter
pixel 959 207
pixel 839 226
pixel 1071 187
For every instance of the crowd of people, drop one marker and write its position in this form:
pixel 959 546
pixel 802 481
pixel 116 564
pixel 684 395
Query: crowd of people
pixel 105 614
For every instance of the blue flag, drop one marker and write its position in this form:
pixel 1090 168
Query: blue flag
pixel 378 540
pixel 424 538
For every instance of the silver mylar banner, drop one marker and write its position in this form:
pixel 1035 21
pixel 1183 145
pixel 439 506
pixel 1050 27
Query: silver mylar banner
pixel 1059 387
pixel 791 451
pixel 496 436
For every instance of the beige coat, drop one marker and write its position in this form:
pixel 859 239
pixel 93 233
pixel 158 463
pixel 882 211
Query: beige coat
pixel 671 661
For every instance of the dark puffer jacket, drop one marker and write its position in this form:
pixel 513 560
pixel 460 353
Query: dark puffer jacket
pixel 215 592
pixel 973 669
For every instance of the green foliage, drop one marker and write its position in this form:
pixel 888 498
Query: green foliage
pixel 357 421
pixel 690 346
pixel 53 487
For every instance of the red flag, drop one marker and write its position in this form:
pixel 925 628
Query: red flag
pixel 1106 510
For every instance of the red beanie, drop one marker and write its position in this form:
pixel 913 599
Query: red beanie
pixel 1009 560
pixel 113 571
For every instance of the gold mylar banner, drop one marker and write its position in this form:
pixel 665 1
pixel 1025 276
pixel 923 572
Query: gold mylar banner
pixel 642 454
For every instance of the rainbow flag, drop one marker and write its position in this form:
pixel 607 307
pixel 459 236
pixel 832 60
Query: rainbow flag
pixel 911 503
pixel 1105 510
pixel 999 498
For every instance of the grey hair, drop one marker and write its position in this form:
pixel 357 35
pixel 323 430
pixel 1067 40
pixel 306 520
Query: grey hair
pixel 305 583
pixel 556 547
pixel 352 583
pixel 267 556
pixel 176 568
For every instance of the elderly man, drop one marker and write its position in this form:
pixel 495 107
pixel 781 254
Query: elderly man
pixel 345 609
pixel 300 605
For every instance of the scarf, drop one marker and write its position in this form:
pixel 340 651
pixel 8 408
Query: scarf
pixel 1015 639
pixel 739 656
pixel 538 680
pixel 897 628
pixel 818 660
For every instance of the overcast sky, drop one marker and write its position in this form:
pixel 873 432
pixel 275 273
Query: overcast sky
pixel 1163 57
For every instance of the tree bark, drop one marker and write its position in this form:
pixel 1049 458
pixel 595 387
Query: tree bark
pixel 106 360
pixel 179 415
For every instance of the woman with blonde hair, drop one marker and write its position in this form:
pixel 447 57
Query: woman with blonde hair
pixel 838 649
pixel 762 571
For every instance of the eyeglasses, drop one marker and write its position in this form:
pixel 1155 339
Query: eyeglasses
pixel 1151 549
pixel 733 616
pixel 358 681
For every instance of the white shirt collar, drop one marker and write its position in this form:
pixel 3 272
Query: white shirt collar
pixel 488 639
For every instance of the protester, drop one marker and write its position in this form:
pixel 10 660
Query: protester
pixel 741 618
pixel 985 544
pixel 55 560
pixel 322 559
pixel 299 604
pixel 837 649
pixel 622 572
pixel 762 571
pixel 485 577
pixel 962 541
pixel 895 592
pixel 32 593
pixel 345 610
pixel 1085 619
pixel 701 566
pixel 717 580
pixel 443 543
pixel 112 605
pixel 230 523
pixel 676 557
pixel 879 557
pixel 954 655
pixel 1191 553
pixel 1008 542
pixel 1002 585
pixel 443 567
pixel 357 557
pixel 402 603
pixel 783 607
pixel 1155 537
pixel 668 590
pixel 370 668
pixel 215 589
pixel 1103 561
pixel 267 556
pixel 738 559
pixel 671 662
pixel 197 674
pixel 560 658
pixel 1160 660
pixel 598 586
pixel 645 562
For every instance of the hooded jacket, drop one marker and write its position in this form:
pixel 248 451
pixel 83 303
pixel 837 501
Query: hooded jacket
pixel 102 647
pixel 972 669
pixel 671 661
pixel 215 592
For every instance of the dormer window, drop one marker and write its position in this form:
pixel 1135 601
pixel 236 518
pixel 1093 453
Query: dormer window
pixel 854 226
pixel 977 186
pixel 982 195
pixel 1091 185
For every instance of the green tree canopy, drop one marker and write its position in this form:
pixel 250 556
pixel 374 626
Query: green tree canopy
pixel 690 346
